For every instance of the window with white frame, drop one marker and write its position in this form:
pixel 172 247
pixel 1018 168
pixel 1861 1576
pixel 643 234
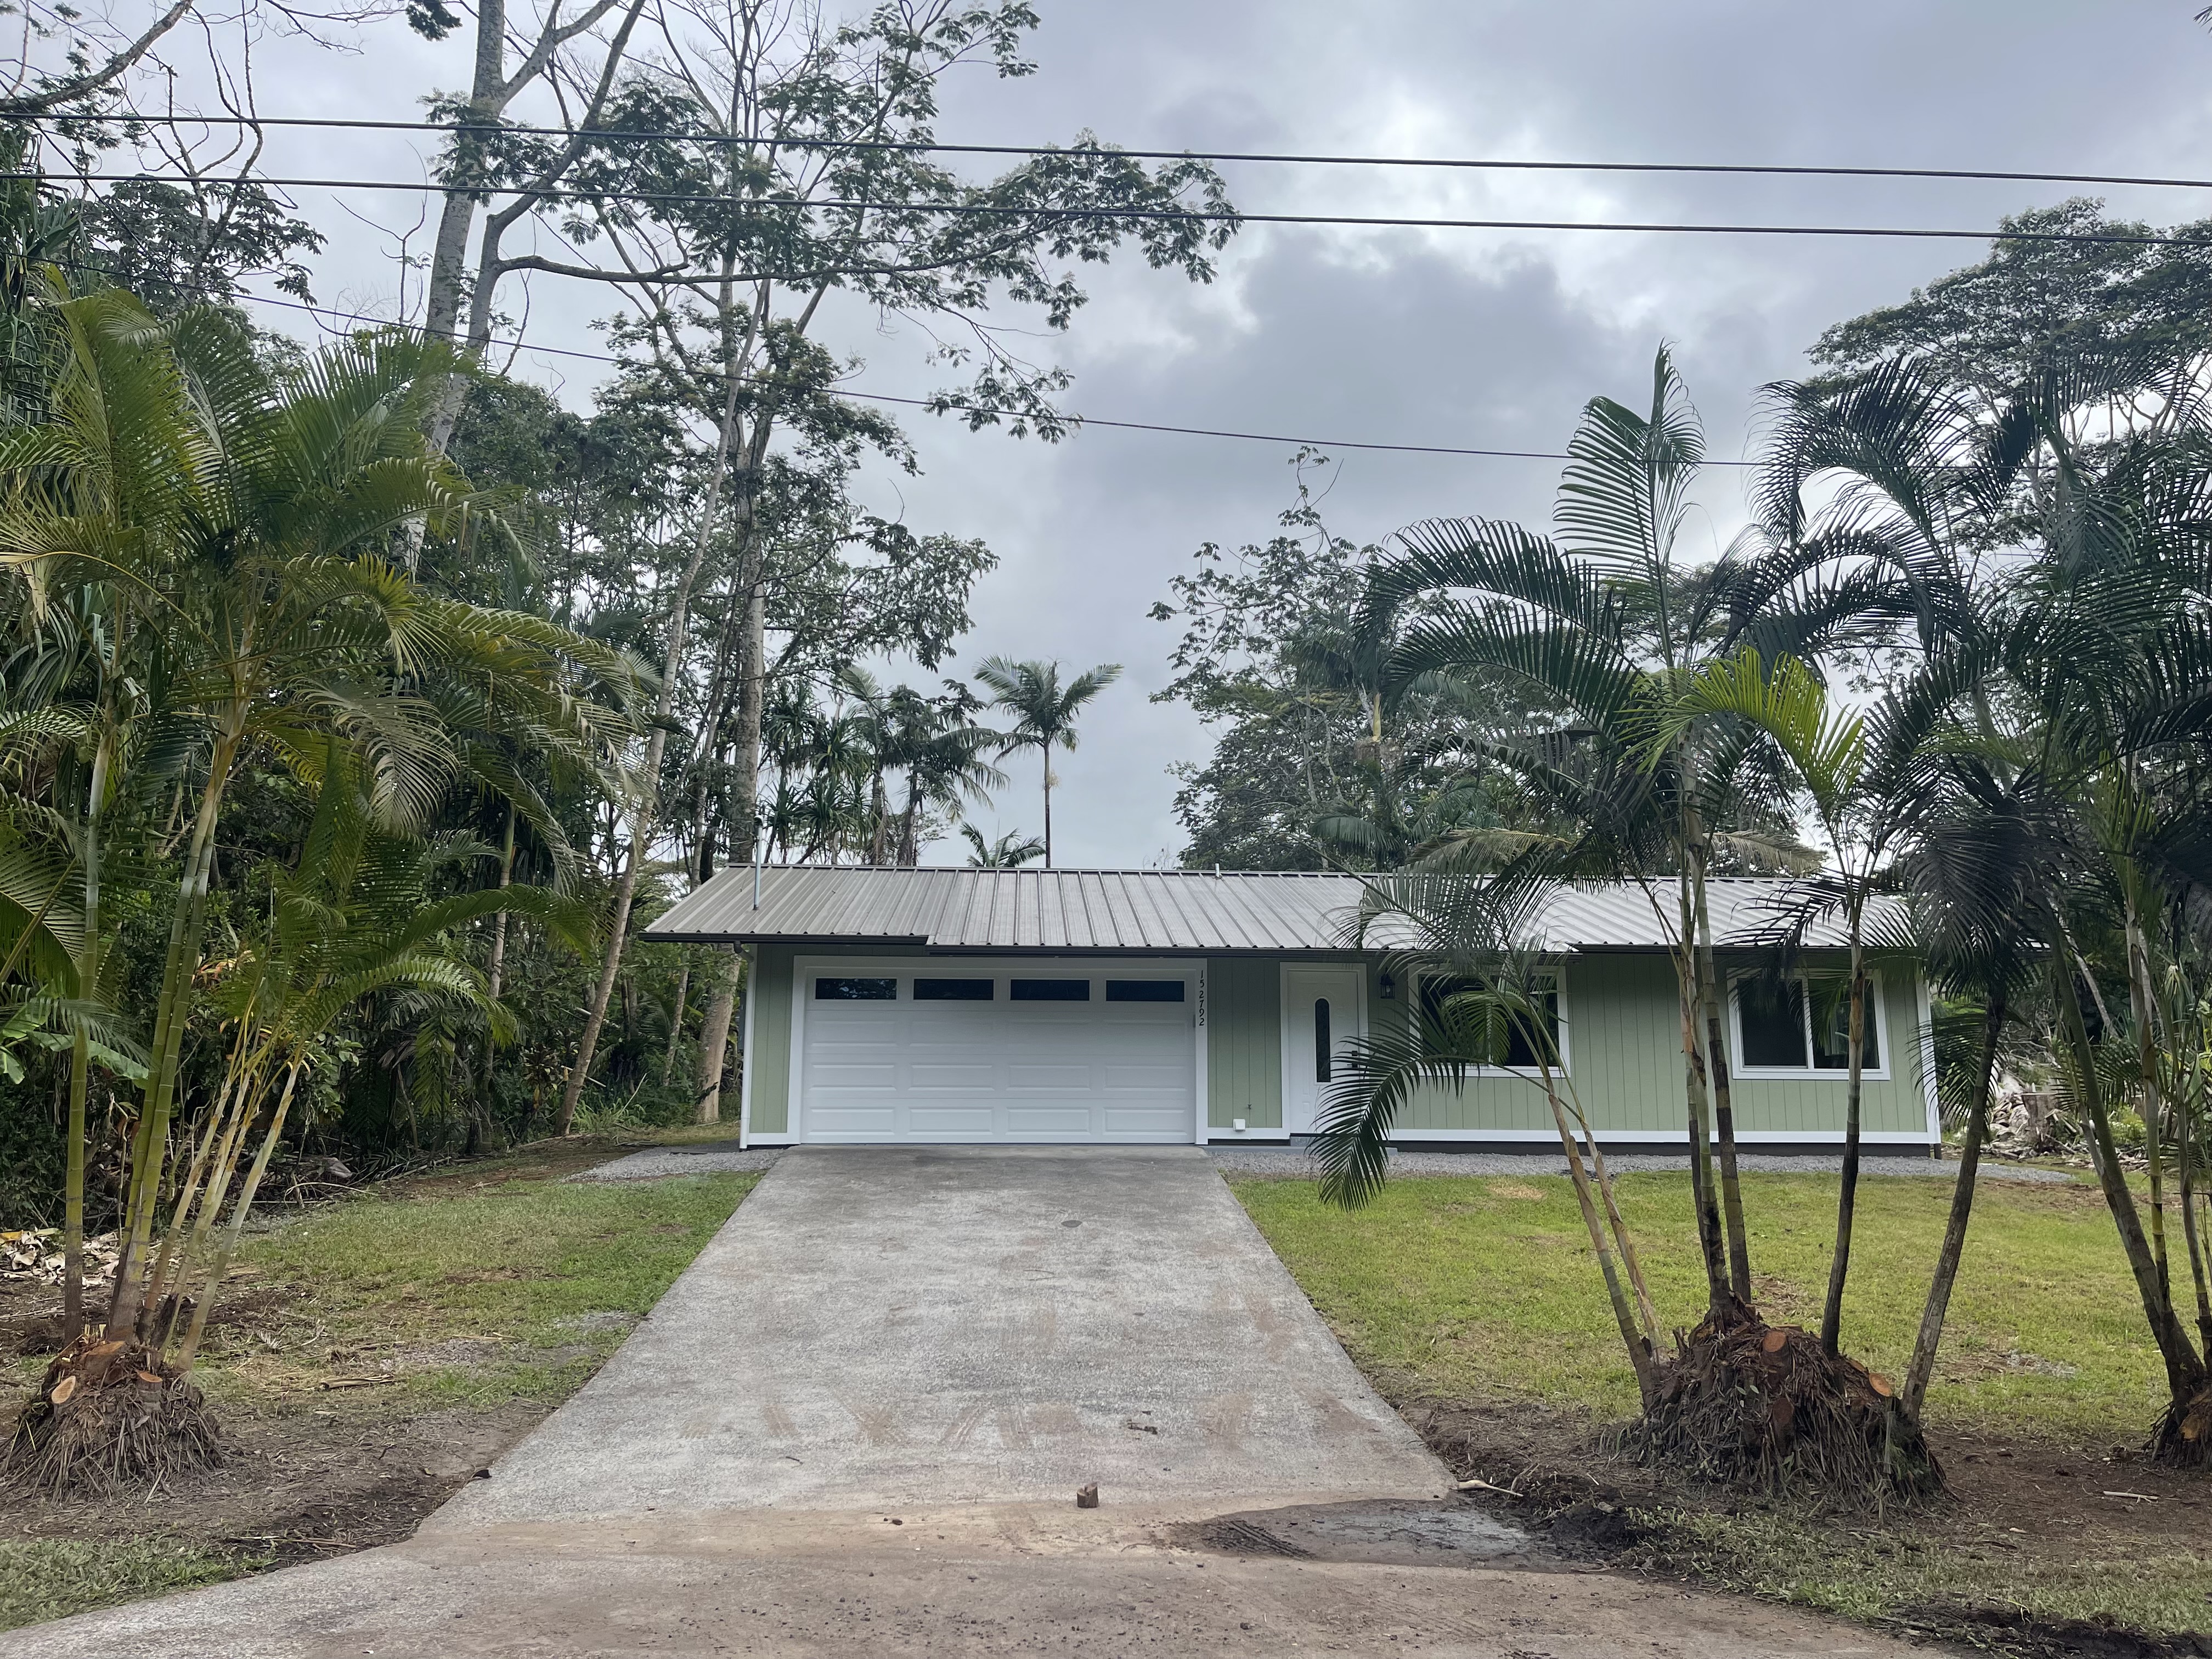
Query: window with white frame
pixel 1801 1027
pixel 1496 1037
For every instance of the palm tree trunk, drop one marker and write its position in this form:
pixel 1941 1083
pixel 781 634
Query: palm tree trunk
pixel 88 987
pixel 2185 1369
pixel 1938 1307
pixel 186 927
pixel 1046 751
pixel 221 1265
pixel 1639 1349
pixel 1703 1197
pixel 1840 1265
pixel 2142 1006
pixel 1716 1072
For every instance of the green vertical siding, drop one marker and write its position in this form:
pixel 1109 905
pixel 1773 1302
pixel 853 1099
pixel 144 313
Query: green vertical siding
pixel 1624 1044
pixel 1243 1041
pixel 769 991
pixel 1624 1059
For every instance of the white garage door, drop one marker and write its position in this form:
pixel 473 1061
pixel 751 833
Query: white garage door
pixel 948 1052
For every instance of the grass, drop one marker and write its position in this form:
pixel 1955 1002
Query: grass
pixel 1484 1290
pixel 1467 1288
pixel 472 1288
pixel 43 1578
pixel 1897 1574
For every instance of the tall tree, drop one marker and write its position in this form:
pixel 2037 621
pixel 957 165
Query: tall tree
pixel 800 173
pixel 1044 711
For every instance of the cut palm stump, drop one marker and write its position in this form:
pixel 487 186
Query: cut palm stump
pixel 110 1414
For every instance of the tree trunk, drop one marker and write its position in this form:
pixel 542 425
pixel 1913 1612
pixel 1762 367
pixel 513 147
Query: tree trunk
pixel 1717 1073
pixel 1639 1350
pixel 1840 1265
pixel 2185 1369
pixel 88 987
pixel 1046 752
pixel 714 1038
pixel 1924 1346
pixel 1703 1196
pixel 676 1025
pixel 229 1245
pixel 186 927
pixel 656 747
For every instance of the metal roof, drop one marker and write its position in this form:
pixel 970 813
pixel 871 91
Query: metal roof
pixel 1167 912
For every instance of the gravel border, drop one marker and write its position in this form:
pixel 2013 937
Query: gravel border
pixel 707 1157
pixel 1293 1163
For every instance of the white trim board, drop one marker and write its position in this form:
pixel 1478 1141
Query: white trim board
pixel 1678 1137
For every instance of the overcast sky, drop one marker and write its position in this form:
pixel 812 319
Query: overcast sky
pixel 1462 338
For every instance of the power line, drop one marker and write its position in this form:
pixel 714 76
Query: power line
pixel 946 406
pixel 1225 216
pixel 920 147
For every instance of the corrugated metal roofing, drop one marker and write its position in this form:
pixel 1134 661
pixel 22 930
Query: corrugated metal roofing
pixel 1156 911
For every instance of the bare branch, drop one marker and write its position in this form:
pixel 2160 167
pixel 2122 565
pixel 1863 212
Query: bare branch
pixel 69 91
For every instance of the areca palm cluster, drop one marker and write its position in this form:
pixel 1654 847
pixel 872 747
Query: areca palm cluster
pixel 197 534
pixel 2029 580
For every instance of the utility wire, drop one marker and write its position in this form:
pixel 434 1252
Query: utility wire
pixel 1227 217
pixel 948 406
pixel 913 147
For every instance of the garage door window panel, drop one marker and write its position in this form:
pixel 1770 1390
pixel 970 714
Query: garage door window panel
pixel 1143 990
pixel 827 990
pixel 1050 990
pixel 954 990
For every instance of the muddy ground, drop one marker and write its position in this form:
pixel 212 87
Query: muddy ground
pixel 2022 1500
pixel 303 1480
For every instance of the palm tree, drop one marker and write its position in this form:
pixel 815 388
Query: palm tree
pixel 1045 714
pixel 1010 852
pixel 361 915
pixel 1495 997
pixel 246 509
pixel 1596 629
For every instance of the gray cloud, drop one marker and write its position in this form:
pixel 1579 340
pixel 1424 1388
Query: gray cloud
pixel 1483 339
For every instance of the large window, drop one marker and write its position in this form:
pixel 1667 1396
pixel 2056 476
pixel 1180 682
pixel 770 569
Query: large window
pixel 1489 1033
pixel 1803 1025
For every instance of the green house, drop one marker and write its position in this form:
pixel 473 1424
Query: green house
pixel 1167 1006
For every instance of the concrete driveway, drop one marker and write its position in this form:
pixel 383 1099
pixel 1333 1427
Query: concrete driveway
pixel 857 1424
pixel 950 1326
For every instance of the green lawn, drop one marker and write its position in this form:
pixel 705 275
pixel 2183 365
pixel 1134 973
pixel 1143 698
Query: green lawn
pixel 473 1288
pixel 470 1288
pixel 1484 1289
pixel 1466 1287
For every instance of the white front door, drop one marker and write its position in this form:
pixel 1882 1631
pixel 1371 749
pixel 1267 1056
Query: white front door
pixel 1324 1006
